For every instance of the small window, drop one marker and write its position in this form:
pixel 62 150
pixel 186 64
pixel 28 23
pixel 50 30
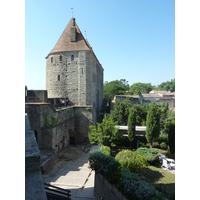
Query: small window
pixel 58 77
pixel 66 61
pixel 60 58
pixel 82 70
pixel 51 60
pixel 72 57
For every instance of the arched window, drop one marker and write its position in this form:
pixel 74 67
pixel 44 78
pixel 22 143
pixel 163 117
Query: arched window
pixel 72 57
pixel 60 58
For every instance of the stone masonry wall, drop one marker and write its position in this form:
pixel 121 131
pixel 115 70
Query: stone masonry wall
pixel 83 119
pixel 50 137
pixel 71 120
pixel 106 191
pixel 80 80
pixel 67 69
pixel 34 188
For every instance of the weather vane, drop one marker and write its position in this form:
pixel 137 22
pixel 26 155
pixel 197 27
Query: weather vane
pixel 72 12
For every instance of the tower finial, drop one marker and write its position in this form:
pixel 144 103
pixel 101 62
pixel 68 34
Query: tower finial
pixel 72 12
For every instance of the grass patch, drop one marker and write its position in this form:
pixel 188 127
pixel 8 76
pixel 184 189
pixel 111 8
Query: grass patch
pixel 161 179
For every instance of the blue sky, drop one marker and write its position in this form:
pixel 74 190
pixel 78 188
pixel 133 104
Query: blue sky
pixel 133 40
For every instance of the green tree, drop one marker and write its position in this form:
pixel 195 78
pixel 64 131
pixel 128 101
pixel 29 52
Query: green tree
pixel 140 114
pixel 168 85
pixel 131 125
pixel 153 123
pixel 164 108
pixel 113 88
pixel 105 133
pixel 120 112
pixel 138 88
pixel 171 137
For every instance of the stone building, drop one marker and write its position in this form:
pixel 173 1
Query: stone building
pixel 159 97
pixel 73 70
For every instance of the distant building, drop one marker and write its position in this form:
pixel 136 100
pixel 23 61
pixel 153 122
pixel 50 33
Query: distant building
pixel 133 98
pixel 159 97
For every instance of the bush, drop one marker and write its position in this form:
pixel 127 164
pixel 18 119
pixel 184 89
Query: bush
pixel 105 150
pixel 131 160
pixel 162 138
pixel 105 165
pixel 151 154
pixel 134 188
pixel 163 146
pixel 156 145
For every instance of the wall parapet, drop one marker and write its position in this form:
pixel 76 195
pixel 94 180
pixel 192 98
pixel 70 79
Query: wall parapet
pixel 105 190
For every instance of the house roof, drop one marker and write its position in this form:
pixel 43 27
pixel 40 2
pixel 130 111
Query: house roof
pixel 128 96
pixel 64 43
pixel 152 95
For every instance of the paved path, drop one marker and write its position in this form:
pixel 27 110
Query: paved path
pixel 77 177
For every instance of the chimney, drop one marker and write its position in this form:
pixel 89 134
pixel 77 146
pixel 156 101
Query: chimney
pixel 73 31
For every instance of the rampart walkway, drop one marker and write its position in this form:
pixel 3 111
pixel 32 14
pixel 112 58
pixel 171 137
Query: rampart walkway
pixel 77 177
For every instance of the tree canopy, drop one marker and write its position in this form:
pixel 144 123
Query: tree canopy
pixel 105 133
pixel 120 112
pixel 138 88
pixel 168 85
pixel 113 88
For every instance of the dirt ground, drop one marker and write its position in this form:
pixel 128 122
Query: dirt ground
pixel 65 157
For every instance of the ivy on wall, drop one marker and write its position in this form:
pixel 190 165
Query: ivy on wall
pixel 50 123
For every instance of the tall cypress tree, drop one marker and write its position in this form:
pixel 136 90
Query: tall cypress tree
pixel 131 125
pixel 153 123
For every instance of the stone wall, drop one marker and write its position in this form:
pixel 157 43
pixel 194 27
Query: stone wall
pixel 83 119
pixel 103 189
pixel 36 95
pixel 34 187
pixel 55 127
pixel 80 80
pixel 171 101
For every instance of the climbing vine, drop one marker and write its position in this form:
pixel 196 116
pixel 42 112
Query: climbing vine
pixel 52 123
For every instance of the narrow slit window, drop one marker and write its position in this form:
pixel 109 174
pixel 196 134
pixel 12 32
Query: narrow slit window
pixel 72 57
pixel 82 70
pixel 60 58
pixel 58 77
pixel 51 60
pixel 66 61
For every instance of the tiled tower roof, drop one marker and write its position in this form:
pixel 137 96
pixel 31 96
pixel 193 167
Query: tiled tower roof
pixel 64 43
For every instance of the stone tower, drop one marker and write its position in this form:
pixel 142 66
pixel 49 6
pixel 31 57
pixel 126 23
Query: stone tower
pixel 73 70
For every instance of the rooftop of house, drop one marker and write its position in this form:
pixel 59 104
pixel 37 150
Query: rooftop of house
pixel 159 93
pixel 128 96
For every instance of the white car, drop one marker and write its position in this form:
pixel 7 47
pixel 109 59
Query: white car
pixel 168 163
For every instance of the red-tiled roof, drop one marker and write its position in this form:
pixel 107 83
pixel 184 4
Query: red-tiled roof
pixel 64 43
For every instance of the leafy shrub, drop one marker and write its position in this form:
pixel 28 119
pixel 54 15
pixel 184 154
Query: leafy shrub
pixel 134 188
pixel 105 165
pixel 162 138
pixel 156 145
pixel 151 154
pixel 148 145
pixel 105 150
pixel 163 146
pixel 131 160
